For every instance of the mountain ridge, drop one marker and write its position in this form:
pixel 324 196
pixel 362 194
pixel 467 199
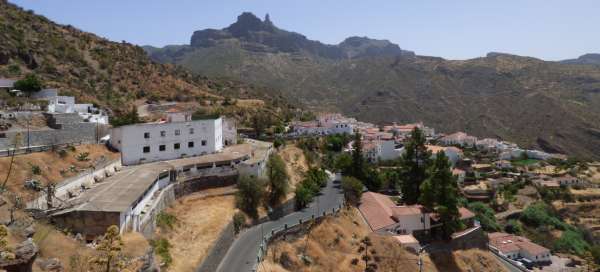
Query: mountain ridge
pixel 535 103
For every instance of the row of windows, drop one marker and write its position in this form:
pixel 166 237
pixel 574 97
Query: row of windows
pixel 163 133
pixel 176 146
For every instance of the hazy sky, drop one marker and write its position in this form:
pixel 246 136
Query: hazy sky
pixel 547 29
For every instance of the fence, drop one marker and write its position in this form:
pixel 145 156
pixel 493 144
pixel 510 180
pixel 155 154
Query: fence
pixel 33 149
pixel 508 260
pixel 262 249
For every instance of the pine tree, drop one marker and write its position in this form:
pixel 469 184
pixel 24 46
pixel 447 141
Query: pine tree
pixel 358 161
pixel 413 166
pixel 439 193
pixel 110 248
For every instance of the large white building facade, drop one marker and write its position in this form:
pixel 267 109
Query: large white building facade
pixel 142 143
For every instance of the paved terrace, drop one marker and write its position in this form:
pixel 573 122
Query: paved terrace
pixel 118 192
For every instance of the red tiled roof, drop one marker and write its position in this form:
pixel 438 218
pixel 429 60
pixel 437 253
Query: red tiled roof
pixel 376 208
pixel 407 210
pixel 509 243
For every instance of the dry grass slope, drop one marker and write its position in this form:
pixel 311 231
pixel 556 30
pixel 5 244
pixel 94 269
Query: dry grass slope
pixel 333 246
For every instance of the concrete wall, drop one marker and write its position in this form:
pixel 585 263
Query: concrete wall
pixel 66 129
pixel 131 142
pixel 88 223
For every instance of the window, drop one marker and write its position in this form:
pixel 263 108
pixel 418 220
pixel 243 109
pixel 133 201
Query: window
pixel 177 132
pixel 190 144
pixel 191 130
pixel 146 135
pixel 146 149
pixel 163 133
pixel 203 142
pixel 176 146
pixel 162 147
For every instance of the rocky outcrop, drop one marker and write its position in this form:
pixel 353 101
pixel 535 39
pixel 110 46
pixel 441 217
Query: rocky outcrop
pixel 22 258
pixel 257 35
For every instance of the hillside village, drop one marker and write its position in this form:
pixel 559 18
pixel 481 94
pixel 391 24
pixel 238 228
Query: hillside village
pixel 497 185
pixel 112 162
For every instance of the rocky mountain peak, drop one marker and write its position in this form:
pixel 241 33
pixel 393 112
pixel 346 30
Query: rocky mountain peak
pixel 247 22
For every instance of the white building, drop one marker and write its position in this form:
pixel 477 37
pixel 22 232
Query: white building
pixel 514 247
pixel 459 138
pixel 141 143
pixel 326 124
pixel 256 166
pixel 454 154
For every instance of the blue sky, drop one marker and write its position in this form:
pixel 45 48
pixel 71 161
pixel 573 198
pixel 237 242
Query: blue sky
pixel 460 29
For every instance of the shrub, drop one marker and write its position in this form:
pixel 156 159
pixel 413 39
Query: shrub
pixel 161 247
pixel 165 220
pixel 514 227
pixel 540 214
pixel 35 169
pixel 62 153
pixel 84 156
pixel 239 219
pixel 278 143
pixel 485 215
pixel 29 84
pixel 571 241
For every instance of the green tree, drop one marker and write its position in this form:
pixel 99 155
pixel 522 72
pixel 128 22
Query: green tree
pixel 29 84
pixel 414 164
pixel 485 215
pixel 353 190
pixel 317 176
pixel 249 195
pixel 110 251
pixel 128 118
pixel 358 161
pixel 513 226
pixel 278 179
pixel 439 192
pixel 343 163
pixel 304 195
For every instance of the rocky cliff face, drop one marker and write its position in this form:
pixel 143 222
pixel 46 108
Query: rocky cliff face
pixel 259 35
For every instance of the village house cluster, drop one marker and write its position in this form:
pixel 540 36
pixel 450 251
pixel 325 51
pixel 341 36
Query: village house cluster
pixel 481 166
pixel 48 119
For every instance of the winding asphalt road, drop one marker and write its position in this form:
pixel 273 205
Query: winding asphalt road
pixel 241 256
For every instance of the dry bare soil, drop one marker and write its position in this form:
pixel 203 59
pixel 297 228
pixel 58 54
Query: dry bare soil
pixel 200 219
pixel 295 164
pixel 333 245
pixel 50 164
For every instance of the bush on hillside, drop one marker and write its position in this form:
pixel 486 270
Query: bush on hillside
pixel 485 215
pixel 571 241
pixel 29 84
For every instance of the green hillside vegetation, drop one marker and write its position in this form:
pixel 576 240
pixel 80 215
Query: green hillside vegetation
pixel 111 74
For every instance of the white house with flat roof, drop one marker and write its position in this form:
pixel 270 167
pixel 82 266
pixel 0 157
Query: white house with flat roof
pixel 149 142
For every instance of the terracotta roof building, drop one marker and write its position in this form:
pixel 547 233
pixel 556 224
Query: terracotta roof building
pixel 515 247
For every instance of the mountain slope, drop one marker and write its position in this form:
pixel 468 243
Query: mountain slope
pixel 535 103
pixel 584 59
pixel 93 69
